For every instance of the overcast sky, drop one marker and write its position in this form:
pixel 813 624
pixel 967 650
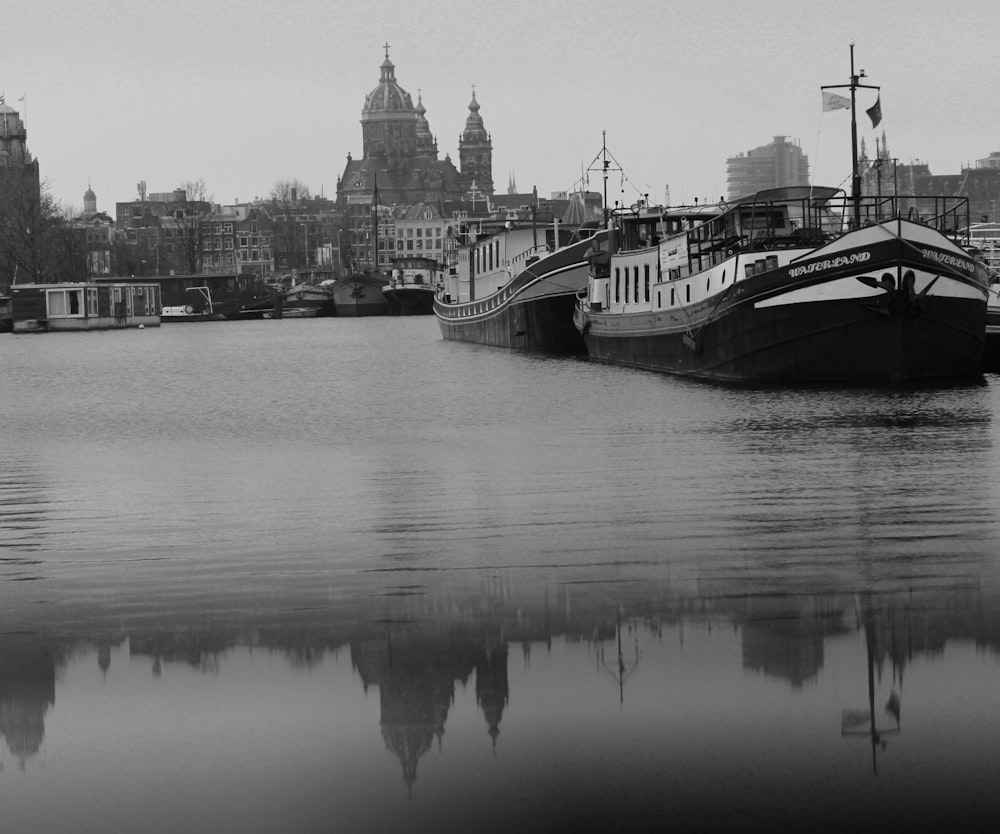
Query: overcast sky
pixel 243 94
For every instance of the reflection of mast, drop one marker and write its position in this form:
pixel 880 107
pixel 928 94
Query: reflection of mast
pixel 621 669
pixel 862 722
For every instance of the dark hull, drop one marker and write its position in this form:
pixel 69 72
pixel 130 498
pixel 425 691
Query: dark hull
pixel 544 325
pixel 410 301
pixel 361 295
pixel 842 341
pixel 869 308
pixel 533 312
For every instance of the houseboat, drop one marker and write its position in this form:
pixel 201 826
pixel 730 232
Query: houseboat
pixel 104 305
pixel 515 287
pixel 796 284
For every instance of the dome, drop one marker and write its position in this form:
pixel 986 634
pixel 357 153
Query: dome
pixel 388 96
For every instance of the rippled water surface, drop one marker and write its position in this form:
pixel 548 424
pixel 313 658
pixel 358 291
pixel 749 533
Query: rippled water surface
pixel 341 575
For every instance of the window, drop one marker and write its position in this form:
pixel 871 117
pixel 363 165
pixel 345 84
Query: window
pixel 635 275
pixel 92 301
pixel 645 271
pixel 627 282
pixel 64 303
pixel 229 243
pixel 618 286
pixel 244 241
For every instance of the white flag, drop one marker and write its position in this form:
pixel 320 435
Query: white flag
pixel 832 101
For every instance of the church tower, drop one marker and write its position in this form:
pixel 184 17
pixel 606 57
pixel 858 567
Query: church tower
pixel 89 202
pixel 389 120
pixel 475 152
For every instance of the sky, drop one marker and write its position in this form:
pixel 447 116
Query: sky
pixel 245 94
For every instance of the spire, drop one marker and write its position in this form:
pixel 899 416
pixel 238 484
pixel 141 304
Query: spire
pixel 511 185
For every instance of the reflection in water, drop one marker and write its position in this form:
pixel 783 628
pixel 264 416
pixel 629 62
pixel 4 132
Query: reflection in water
pixel 27 690
pixel 443 665
pixel 480 591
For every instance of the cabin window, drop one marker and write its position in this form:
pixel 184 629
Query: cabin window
pixel 64 303
pixel 673 299
pixel 645 271
pixel 635 277
pixel 659 299
pixel 687 294
pixel 618 285
pixel 627 282
pixel 92 301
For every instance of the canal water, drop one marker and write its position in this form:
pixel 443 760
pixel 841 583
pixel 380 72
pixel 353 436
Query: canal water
pixel 340 575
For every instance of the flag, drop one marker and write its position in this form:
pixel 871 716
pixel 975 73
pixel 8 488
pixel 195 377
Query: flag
pixel 1 100
pixel 875 111
pixel 832 101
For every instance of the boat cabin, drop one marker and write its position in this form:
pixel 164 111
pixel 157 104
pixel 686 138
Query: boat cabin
pixel 491 260
pixel 93 306
pixel 415 271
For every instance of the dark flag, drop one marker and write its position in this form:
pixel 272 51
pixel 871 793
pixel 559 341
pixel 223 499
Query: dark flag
pixel 875 112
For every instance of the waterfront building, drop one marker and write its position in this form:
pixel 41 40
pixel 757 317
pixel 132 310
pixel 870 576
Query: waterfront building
pixel 779 163
pixel 161 232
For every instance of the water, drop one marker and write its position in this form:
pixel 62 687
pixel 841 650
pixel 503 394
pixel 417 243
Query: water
pixel 341 575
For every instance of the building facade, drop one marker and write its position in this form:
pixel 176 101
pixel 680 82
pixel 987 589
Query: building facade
pixel 779 163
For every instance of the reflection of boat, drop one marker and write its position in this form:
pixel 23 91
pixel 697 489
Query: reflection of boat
pixel 412 286
pixel 201 310
pixel 863 722
pixel 790 284
pixel 294 313
pixel 510 290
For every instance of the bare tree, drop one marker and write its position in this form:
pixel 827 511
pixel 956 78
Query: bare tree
pixel 28 219
pixel 288 192
pixel 71 251
pixel 290 237
pixel 190 222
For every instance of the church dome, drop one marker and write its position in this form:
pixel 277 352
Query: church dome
pixel 388 96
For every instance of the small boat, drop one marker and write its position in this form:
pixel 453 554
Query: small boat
pixel 796 284
pixel 200 310
pixel 412 285
pixel 515 287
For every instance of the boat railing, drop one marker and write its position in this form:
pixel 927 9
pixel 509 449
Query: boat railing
pixel 946 214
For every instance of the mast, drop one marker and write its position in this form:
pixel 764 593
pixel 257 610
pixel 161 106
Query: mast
pixel 605 159
pixel 855 173
pixel 373 219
